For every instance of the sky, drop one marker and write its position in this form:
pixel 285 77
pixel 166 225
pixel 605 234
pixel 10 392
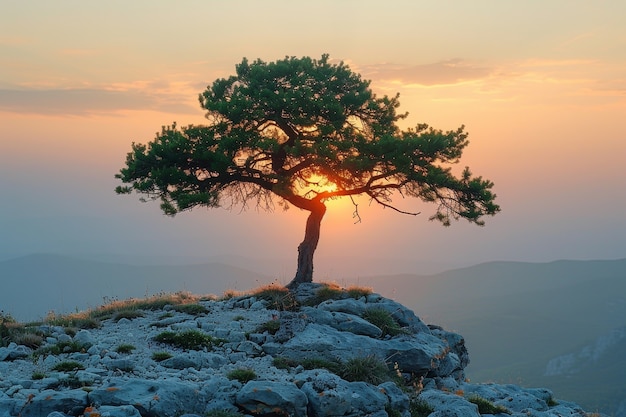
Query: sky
pixel 539 85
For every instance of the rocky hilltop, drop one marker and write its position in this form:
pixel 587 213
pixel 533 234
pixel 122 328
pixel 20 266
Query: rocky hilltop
pixel 317 351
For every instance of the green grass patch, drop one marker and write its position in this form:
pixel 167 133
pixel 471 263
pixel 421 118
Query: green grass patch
pixel 68 366
pixel 487 407
pixel 368 369
pixel 242 375
pixel 383 319
pixel 189 339
pixel 161 356
pixel 125 348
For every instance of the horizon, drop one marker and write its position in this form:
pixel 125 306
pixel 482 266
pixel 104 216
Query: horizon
pixel 543 108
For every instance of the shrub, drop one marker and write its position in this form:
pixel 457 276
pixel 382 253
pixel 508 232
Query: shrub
pixel 358 292
pixel 420 408
pixel 37 375
pixel 383 319
pixel 242 375
pixel 271 327
pixel 189 339
pixel 161 356
pixel 278 298
pixel 28 338
pixel 487 407
pixel 125 348
pixel 368 369
pixel 68 366
pixel 191 309
pixel 127 314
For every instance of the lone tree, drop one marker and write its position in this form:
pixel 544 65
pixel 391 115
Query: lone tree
pixel 303 131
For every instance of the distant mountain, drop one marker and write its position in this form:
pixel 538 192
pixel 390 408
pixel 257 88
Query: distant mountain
pixel 517 316
pixel 32 286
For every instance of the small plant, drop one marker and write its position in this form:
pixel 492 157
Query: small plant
pixel 271 327
pixel 191 309
pixel 37 375
pixel 28 338
pixel 161 356
pixel 125 348
pixel 62 347
pixel 487 407
pixel 551 402
pixel 242 375
pixel 368 369
pixel 129 314
pixel 420 408
pixel 278 298
pixel 189 339
pixel 358 292
pixel 328 291
pixel 383 319
pixel 321 363
pixel 68 366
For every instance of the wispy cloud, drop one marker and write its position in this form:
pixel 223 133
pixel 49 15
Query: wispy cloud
pixel 155 96
pixel 452 71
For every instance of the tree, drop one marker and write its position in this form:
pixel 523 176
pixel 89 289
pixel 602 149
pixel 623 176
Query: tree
pixel 301 131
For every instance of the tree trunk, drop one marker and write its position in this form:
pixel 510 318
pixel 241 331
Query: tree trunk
pixel 306 249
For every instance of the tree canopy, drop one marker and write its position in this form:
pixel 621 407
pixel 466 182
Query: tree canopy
pixel 301 131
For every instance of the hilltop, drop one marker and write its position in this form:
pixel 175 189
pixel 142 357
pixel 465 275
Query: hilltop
pixel 320 351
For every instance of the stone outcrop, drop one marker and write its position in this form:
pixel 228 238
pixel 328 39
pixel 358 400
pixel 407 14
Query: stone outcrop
pixel 301 368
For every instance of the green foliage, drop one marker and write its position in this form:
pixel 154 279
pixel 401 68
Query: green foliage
pixel 37 375
pixel 242 375
pixel 328 292
pixel 191 309
pixel 189 339
pixel 270 326
pixel 7 323
pixel 420 408
pixel 368 369
pixel 161 356
pixel 358 292
pixel 125 348
pixel 128 314
pixel 382 319
pixel 68 366
pixel 303 131
pixel 71 346
pixel 487 407
pixel 278 298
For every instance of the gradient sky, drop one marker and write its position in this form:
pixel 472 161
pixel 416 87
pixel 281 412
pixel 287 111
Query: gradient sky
pixel 539 85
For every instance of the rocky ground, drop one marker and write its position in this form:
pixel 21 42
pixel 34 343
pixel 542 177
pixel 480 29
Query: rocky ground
pixel 319 351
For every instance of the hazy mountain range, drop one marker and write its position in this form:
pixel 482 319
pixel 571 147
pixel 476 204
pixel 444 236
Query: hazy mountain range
pixel 518 318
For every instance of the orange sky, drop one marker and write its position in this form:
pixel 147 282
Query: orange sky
pixel 540 87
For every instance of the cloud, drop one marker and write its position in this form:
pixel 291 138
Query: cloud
pixel 83 101
pixel 452 71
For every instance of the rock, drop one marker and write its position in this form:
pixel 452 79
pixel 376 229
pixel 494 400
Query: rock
pixel 70 402
pixel 343 322
pixel 193 382
pixel 265 397
pixel 159 397
pixel 331 396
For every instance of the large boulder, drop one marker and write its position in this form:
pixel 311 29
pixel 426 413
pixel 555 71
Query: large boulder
pixel 331 396
pixel 276 398
pixel 159 397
